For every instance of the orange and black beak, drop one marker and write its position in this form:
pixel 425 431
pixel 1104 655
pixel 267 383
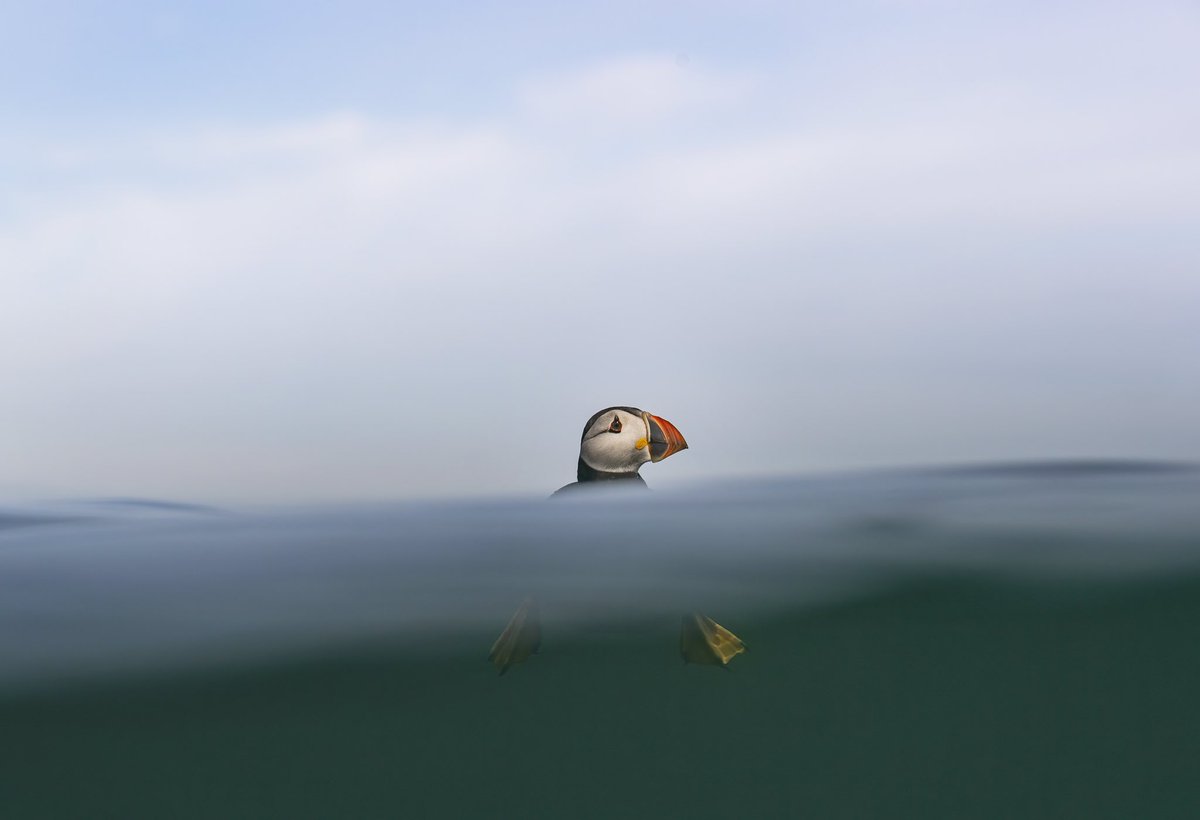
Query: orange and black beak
pixel 665 439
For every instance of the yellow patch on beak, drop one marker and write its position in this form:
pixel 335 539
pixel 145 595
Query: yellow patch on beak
pixel 641 444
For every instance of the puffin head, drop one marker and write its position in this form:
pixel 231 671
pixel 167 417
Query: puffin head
pixel 619 440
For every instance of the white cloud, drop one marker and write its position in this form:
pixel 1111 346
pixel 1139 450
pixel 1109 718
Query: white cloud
pixel 351 305
pixel 632 90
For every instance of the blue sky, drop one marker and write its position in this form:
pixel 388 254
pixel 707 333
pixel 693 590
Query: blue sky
pixel 278 251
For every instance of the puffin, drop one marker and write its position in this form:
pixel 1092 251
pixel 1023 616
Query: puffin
pixel 616 442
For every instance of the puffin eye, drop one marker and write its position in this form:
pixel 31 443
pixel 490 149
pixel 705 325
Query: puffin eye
pixel 615 427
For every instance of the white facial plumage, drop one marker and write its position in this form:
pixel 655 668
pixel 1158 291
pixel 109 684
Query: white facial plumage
pixel 617 442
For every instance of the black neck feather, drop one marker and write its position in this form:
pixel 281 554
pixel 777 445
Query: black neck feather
pixel 586 473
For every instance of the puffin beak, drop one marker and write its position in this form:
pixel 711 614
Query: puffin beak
pixel 665 439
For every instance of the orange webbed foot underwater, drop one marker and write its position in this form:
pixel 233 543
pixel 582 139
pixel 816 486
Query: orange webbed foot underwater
pixel 704 641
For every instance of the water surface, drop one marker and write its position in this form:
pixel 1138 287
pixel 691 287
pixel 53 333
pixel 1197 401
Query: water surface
pixel 1014 641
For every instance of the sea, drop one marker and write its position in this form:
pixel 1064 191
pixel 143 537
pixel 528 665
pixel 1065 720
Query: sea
pixel 991 641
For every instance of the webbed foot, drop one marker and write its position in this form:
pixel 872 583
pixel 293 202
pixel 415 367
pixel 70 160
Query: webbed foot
pixel 703 640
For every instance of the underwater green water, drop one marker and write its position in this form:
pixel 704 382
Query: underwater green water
pixel 1042 679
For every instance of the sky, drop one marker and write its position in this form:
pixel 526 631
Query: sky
pixel 282 252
